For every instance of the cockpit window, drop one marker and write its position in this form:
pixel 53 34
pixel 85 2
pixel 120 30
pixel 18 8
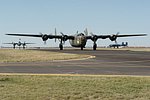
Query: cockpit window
pixel 81 34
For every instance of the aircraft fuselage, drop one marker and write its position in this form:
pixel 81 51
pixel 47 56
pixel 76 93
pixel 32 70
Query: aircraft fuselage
pixel 79 41
pixel 19 43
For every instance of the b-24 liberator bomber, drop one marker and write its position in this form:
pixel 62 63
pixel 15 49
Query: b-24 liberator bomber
pixel 77 40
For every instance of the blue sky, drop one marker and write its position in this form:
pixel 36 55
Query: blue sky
pixel 68 16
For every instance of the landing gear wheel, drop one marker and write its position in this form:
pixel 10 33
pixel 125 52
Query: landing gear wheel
pixel 61 46
pixel 94 46
pixel 81 48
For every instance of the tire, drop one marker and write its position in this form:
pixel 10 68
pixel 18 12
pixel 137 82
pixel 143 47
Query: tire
pixel 94 46
pixel 81 48
pixel 61 47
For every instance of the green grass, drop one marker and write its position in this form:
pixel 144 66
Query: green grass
pixel 81 87
pixel 10 55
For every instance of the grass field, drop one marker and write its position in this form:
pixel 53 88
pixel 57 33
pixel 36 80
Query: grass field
pixel 73 87
pixel 11 55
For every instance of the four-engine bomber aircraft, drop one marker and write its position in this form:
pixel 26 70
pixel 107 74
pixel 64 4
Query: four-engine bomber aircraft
pixel 19 44
pixel 78 40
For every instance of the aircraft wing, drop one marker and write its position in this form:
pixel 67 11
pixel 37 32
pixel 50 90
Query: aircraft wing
pixel 8 43
pixel 45 36
pixel 112 37
pixel 93 37
pixel 131 35
pixel 98 36
pixel 29 43
pixel 30 35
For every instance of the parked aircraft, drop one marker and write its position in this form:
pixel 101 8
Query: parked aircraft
pixel 77 40
pixel 19 44
pixel 118 45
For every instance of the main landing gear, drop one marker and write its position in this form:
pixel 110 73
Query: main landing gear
pixel 94 46
pixel 23 47
pixel 81 47
pixel 61 46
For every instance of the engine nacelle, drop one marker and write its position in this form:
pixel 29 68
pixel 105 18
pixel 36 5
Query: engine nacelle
pixel 113 37
pixel 94 38
pixel 44 37
pixel 64 37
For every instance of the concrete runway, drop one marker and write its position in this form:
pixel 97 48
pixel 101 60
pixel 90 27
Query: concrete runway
pixel 107 62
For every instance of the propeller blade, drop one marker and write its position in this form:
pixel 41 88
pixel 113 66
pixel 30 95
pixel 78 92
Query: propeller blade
pixel 77 32
pixel 63 42
pixel 62 33
pixel 40 33
pixel 59 40
pixel 118 33
pixel 115 37
pixel 44 42
pixel 55 34
pixel 91 33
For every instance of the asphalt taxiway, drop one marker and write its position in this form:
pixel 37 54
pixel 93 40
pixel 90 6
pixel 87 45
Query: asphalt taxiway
pixel 106 62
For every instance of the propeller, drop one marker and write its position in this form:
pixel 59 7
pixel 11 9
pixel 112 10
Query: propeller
pixel 64 37
pixel 44 37
pixel 55 34
pixel 62 33
pixel 91 33
pixel 40 33
pixel 24 43
pixel 94 37
pixel 114 37
pixel 77 32
pixel 44 42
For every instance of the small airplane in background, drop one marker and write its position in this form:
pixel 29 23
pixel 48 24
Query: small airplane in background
pixel 19 44
pixel 77 40
pixel 118 45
